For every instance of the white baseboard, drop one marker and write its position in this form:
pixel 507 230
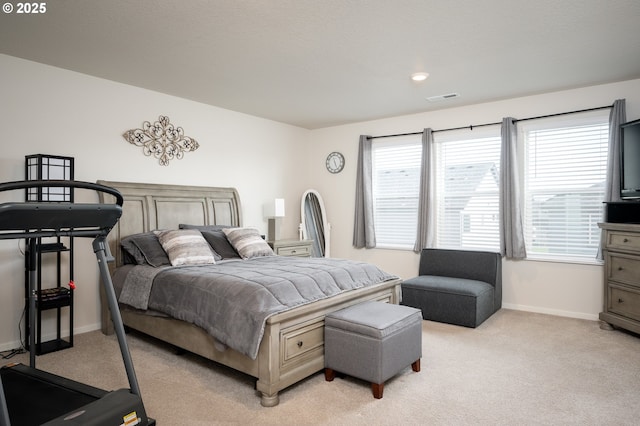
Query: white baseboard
pixel 7 346
pixel 556 312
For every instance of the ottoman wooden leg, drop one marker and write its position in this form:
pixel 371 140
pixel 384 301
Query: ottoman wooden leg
pixel 416 366
pixel 329 374
pixel 377 389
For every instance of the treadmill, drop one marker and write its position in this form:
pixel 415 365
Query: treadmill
pixel 29 396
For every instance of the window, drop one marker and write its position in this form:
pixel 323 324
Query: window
pixel 562 163
pixel 396 184
pixel 565 163
pixel 467 183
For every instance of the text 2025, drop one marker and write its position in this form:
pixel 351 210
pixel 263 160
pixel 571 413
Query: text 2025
pixel 31 7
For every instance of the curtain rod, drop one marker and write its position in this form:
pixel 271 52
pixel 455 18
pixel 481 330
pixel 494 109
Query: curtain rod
pixel 495 124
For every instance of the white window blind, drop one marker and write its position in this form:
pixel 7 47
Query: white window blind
pixel 396 176
pixel 564 175
pixel 467 189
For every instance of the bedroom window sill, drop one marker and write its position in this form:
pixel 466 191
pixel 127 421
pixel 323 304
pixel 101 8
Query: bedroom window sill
pixel 578 261
pixel 394 247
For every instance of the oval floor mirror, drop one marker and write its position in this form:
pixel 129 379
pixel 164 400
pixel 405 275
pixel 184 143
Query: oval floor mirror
pixel 314 224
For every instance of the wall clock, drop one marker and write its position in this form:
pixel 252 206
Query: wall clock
pixel 335 162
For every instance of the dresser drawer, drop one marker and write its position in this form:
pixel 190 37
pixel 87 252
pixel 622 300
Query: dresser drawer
pixel 302 342
pixel 624 301
pixel 624 241
pixel 303 251
pixel 297 248
pixel 623 268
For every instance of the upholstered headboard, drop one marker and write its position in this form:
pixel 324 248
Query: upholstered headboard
pixel 150 206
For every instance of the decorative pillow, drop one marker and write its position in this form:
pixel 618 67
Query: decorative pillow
pixel 220 245
pixel 186 247
pixel 145 249
pixel 248 242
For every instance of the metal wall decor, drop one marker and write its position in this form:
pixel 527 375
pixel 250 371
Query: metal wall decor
pixel 162 140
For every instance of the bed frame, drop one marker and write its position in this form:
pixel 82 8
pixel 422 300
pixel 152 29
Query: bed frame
pixel 292 347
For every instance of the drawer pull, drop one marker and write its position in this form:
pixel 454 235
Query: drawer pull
pixel 293 251
pixel 300 344
pixel 626 240
pixel 620 268
pixel 620 300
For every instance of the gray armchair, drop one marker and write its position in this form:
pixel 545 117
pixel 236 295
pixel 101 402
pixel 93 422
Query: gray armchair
pixel 456 286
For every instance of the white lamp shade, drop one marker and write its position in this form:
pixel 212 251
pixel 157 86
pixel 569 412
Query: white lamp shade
pixel 274 208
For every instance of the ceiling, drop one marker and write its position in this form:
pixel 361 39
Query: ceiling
pixel 314 64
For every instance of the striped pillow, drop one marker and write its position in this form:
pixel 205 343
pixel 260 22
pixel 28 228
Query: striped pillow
pixel 185 247
pixel 248 242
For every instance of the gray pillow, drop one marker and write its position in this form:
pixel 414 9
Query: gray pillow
pixel 220 245
pixel 248 242
pixel 145 249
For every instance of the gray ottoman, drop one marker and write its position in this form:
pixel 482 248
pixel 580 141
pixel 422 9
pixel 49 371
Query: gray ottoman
pixel 372 341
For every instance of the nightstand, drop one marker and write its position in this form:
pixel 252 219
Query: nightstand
pixel 299 248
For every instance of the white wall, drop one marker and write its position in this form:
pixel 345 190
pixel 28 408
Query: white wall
pixel 557 288
pixel 53 111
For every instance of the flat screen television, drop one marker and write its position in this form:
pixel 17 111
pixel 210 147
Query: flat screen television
pixel 630 160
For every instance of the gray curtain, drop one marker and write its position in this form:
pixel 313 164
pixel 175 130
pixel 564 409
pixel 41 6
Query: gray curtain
pixel 426 220
pixel 511 230
pixel 617 116
pixel 364 234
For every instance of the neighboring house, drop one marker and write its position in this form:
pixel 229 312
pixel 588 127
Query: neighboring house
pixel 562 214
pixel 471 205
pixel 397 204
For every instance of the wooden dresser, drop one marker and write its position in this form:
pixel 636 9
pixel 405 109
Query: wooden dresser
pixel 621 251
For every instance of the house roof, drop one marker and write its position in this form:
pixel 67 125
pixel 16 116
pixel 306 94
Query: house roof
pixel 322 63
pixel 468 177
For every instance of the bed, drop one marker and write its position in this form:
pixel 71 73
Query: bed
pixel 292 343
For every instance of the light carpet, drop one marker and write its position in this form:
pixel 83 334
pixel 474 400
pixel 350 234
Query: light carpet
pixel 518 368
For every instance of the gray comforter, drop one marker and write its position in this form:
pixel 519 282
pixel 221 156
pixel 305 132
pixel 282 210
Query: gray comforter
pixel 233 300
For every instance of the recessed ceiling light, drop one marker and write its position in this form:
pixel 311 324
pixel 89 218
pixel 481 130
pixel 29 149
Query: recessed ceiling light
pixel 419 76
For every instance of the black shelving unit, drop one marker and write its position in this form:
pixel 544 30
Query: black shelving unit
pixel 57 294
pixel 58 297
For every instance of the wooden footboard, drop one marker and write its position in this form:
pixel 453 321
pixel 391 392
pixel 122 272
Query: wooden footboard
pixel 292 347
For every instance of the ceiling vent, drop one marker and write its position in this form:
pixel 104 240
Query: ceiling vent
pixel 443 97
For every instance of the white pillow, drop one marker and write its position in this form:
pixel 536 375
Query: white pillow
pixel 248 242
pixel 186 247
